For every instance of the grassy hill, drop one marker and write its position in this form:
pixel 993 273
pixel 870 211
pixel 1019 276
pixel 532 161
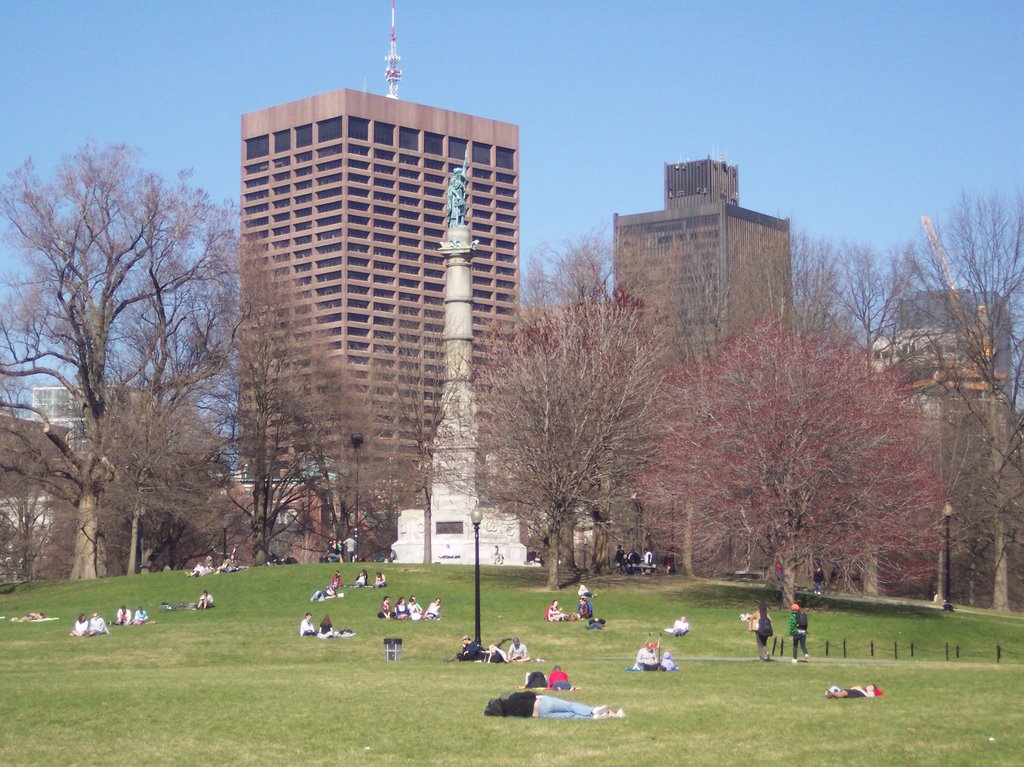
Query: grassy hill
pixel 237 685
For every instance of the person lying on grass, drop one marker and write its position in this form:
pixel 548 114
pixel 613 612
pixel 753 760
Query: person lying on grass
pixel 33 616
pixel 559 680
pixel 531 705
pixel 867 691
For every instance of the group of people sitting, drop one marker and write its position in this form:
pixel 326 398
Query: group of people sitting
pixel 363 580
pixel 647 659
pixel 124 617
pixel 472 650
pixel 205 567
pixel 584 611
pixel 333 590
pixel 409 611
pixel 89 627
pixel 326 629
pixel 633 562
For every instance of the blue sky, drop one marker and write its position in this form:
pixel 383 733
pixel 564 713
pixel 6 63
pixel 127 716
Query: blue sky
pixel 850 118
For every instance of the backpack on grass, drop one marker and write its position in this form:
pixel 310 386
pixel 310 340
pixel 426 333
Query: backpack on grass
pixel 536 679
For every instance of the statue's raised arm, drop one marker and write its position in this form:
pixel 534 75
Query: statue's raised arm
pixel 457 194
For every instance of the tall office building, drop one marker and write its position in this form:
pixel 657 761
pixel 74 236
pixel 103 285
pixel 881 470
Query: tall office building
pixel 346 191
pixel 705 267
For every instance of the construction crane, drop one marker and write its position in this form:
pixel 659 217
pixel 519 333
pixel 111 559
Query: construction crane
pixel 981 318
pixel 940 253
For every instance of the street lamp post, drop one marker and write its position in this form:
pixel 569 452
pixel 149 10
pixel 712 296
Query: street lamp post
pixel 357 442
pixel 947 604
pixel 476 516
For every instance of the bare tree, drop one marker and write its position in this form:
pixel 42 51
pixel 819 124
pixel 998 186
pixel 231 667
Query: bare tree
pixel 167 482
pixel 30 500
pixel 580 268
pixel 105 245
pixel 972 278
pixel 567 412
pixel 816 277
pixel 871 292
pixel 292 413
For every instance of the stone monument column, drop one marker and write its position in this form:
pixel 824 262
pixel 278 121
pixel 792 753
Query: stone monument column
pixel 453 491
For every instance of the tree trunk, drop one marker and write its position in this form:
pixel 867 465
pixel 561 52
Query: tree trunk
pixel 87 540
pixel 871 575
pixel 553 550
pixel 1000 579
pixel 134 545
pixel 788 584
pixel 1000 584
pixel 687 553
pixel 600 562
pixel 568 548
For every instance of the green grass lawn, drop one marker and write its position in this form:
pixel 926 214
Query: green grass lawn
pixel 236 685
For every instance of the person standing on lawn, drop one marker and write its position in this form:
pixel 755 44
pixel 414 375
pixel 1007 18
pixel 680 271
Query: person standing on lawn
pixel 798 630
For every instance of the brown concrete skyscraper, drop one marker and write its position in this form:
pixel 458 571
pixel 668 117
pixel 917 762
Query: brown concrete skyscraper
pixel 346 192
pixel 704 266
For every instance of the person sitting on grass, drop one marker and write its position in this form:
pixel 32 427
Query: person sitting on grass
pixel 415 609
pixel 327 628
pixel 361 579
pixel 205 601
pixel 306 628
pixel 81 628
pixel 471 650
pixel 554 613
pixel 433 611
pixel 97 625
pixel 584 611
pixel 531 705
pixel 401 610
pixel 647 658
pixel 380 582
pixel 385 608
pixel 203 568
pixel 518 653
pixel 667 663
pixel 680 628
pixel 141 617
pixel 123 617
pixel 867 691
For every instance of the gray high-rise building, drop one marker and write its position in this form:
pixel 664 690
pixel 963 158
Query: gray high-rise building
pixel 704 266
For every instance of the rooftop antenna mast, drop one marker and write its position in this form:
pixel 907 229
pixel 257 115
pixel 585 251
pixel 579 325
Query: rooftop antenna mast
pixel 393 74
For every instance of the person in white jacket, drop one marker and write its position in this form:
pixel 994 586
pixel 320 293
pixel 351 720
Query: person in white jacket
pixel 306 628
